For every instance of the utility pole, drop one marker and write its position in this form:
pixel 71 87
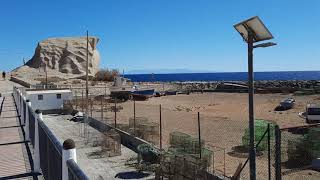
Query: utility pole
pixel 87 88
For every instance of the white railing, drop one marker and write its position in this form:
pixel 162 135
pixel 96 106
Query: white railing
pixel 42 159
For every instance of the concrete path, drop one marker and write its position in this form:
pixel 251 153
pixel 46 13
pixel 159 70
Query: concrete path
pixel 15 156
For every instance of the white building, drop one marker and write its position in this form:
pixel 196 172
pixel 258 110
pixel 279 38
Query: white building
pixel 48 99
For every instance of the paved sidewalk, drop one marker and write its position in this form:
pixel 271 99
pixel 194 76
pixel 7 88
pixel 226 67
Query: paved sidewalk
pixel 15 161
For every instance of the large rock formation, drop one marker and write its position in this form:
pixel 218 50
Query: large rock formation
pixel 67 55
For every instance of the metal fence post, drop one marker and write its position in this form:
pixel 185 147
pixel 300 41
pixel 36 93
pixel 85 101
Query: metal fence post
pixel 68 152
pixel 134 116
pixel 18 100
pixel 76 99
pixel 269 154
pixel 21 106
pixel 36 141
pixel 26 127
pixel 23 111
pixel 101 109
pixel 160 118
pixel 199 134
pixel 82 108
pixel 115 112
pixel 278 153
pixel 91 107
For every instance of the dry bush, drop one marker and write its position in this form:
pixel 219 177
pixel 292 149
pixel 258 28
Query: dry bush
pixel 106 75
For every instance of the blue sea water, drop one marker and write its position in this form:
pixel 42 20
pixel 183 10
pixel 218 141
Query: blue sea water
pixel 225 76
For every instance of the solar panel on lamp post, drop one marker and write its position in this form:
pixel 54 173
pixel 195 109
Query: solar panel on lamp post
pixel 253 30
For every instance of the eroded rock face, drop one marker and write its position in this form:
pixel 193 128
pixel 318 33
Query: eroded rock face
pixel 67 55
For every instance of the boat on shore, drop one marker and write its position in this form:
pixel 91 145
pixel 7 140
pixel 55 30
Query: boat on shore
pixel 170 92
pixel 142 91
pixel 122 91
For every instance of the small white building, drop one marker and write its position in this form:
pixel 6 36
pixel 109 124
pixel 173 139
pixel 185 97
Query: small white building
pixel 48 99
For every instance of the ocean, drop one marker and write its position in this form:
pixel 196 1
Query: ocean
pixel 225 76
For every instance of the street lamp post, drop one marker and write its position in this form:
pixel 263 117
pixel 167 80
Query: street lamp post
pixel 252 150
pixel 253 30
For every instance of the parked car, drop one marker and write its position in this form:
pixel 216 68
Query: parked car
pixel 285 104
pixel 312 113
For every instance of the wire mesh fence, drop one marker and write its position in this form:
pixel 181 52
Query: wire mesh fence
pixel 264 145
pixel 300 147
pixel 226 137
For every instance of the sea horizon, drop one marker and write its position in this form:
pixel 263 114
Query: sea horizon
pixel 223 76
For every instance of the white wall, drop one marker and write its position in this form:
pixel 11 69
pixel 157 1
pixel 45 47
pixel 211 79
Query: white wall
pixel 49 101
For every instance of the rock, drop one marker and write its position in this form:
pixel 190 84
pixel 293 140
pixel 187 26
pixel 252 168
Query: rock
pixel 67 55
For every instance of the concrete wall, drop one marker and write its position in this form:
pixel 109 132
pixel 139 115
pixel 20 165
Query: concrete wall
pixel 127 140
pixel 49 101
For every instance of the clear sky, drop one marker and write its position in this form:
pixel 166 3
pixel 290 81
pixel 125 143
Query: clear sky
pixel 166 34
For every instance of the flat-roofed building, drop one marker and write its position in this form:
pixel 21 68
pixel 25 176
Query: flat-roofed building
pixel 48 99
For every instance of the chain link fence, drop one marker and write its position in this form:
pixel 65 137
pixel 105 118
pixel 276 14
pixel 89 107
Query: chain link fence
pixel 300 147
pixel 226 137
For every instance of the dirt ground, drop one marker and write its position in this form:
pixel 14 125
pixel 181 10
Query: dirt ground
pixel 223 117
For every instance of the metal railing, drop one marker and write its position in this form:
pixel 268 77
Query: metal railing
pixel 74 172
pixel 24 111
pixel 50 153
pixel 48 150
pixel 2 104
pixel 31 125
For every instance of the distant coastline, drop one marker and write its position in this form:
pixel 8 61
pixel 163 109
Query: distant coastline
pixel 225 76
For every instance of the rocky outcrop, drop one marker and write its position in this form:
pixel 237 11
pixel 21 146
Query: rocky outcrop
pixel 261 86
pixel 67 55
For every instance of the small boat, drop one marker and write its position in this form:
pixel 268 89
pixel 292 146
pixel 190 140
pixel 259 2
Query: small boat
pixel 287 103
pixel 146 92
pixel 170 92
pixel 142 91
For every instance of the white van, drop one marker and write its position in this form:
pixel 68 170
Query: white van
pixel 313 113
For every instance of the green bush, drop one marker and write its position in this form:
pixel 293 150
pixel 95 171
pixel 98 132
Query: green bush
pixel 302 150
pixel 260 128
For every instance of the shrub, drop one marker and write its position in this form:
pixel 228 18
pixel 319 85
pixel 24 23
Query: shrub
pixel 106 75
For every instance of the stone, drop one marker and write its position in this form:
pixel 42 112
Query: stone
pixel 66 55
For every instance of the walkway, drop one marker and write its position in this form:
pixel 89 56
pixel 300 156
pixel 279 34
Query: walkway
pixel 15 157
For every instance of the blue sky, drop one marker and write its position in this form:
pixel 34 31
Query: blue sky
pixel 166 34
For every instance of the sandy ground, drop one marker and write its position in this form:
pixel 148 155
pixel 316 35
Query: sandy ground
pixel 224 117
